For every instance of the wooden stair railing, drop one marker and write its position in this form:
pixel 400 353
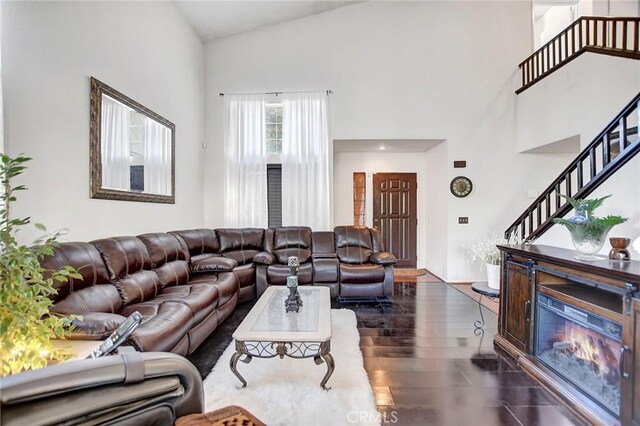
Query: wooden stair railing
pixel 604 35
pixel 618 143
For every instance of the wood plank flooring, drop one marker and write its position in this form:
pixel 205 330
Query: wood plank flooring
pixel 427 366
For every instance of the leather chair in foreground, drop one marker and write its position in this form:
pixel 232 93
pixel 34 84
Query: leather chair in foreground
pixel 132 388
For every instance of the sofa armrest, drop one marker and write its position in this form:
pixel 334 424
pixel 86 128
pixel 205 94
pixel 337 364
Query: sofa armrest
pixel 102 389
pixel 213 264
pixel 383 258
pixel 264 258
pixel 95 326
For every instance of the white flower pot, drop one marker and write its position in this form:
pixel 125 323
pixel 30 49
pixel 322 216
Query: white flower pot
pixel 493 276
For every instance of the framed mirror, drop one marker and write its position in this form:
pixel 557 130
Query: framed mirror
pixel 132 149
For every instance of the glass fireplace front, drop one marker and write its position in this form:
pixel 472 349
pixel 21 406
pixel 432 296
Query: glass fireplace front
pixel 581 347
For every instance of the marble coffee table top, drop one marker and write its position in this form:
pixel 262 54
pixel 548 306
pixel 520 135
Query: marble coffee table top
pixel 268 321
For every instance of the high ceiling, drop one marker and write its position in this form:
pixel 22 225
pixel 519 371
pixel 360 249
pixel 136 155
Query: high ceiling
pixel 214 19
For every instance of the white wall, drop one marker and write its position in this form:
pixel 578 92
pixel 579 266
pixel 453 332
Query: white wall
pixel 436 193
pixel 401 70
pixel 146 51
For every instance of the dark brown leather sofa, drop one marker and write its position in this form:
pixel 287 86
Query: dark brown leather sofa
pixel 349 260
pixel 184 283
pixel 149 274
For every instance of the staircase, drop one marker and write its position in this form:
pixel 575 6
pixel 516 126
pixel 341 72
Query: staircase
pixel 603 35
pixel 616 145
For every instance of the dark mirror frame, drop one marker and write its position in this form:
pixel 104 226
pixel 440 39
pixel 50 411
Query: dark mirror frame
pixel 97 191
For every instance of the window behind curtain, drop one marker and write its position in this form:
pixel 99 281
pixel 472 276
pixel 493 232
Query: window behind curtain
pixel 273 122
pixel 274 194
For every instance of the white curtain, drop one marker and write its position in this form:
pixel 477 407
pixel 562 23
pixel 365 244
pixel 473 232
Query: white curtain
pixel 114 140
pixel 157 158
pixel 306 182
pixel 246 161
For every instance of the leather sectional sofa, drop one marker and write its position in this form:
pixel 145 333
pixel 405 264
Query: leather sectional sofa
pixel 184 283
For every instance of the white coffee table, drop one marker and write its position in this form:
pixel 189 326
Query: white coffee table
pixel 268 331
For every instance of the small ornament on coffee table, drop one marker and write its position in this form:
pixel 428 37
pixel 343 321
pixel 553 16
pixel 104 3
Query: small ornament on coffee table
pixel 619 248
pixel 294 264
pixel 294 301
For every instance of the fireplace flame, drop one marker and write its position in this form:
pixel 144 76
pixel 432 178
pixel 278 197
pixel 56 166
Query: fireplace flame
pixel 593 351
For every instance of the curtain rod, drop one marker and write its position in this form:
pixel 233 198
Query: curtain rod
pixel 328 92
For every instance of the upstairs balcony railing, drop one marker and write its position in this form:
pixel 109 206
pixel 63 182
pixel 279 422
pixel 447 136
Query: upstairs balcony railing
pixel 618 143
pixel 604 35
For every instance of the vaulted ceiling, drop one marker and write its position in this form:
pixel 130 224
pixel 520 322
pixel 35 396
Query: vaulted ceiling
pixel 217 19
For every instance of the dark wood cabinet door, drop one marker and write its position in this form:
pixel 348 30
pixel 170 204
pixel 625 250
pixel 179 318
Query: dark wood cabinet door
pixel 395 214
pixel 630 399
pixel 517 304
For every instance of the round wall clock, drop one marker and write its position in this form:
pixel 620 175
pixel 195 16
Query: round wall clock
pixel 461 186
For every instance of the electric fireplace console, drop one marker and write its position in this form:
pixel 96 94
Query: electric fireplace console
pixel 574 326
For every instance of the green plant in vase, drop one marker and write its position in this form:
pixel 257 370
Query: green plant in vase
pixel 26 325
pixel 588 232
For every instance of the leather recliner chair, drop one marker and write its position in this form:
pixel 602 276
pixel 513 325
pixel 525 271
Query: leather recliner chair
pixel 280 244
pixel 366 271
pixel 126 389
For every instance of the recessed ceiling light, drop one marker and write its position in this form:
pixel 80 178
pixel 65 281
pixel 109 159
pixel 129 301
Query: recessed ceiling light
pixel 383 147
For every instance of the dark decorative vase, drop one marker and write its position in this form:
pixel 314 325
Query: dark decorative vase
pixel 293 301
pixel 619 248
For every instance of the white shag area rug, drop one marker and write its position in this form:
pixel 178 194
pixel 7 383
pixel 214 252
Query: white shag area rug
pixel 287 391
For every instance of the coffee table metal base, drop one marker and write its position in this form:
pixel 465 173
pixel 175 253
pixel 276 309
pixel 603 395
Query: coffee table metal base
pixel 320 352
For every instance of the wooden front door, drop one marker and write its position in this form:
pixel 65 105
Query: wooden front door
pixel 395 214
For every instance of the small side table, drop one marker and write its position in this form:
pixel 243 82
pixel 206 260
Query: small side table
pixel 492 294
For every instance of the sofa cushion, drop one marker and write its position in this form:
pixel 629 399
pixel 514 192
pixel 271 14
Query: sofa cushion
pixel 169 258
pixel 323 244
pixel 246 274
pixel 199 241
pixel 264 258
pixel 361 274
pixel 129 265
pixel 163 248
pixel 213 264
pixel 164 325
pixel 353 244
pixel 292 241
pixel 201 299
pixel 138 287
pixel 227 284
pixel 123 255
pixel 277 274
pixel 93 293
pixel 240 244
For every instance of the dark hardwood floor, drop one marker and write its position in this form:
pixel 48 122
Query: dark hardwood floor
pixel 426 364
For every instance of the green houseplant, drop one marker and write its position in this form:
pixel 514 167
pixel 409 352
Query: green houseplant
pixel 588 232
pixel 26 325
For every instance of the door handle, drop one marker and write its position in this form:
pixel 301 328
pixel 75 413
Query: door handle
pixel 527 311
pixel 623 351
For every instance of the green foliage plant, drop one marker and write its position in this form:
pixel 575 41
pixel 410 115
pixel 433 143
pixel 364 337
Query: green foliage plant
pixel 585 225
pixel 26 325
